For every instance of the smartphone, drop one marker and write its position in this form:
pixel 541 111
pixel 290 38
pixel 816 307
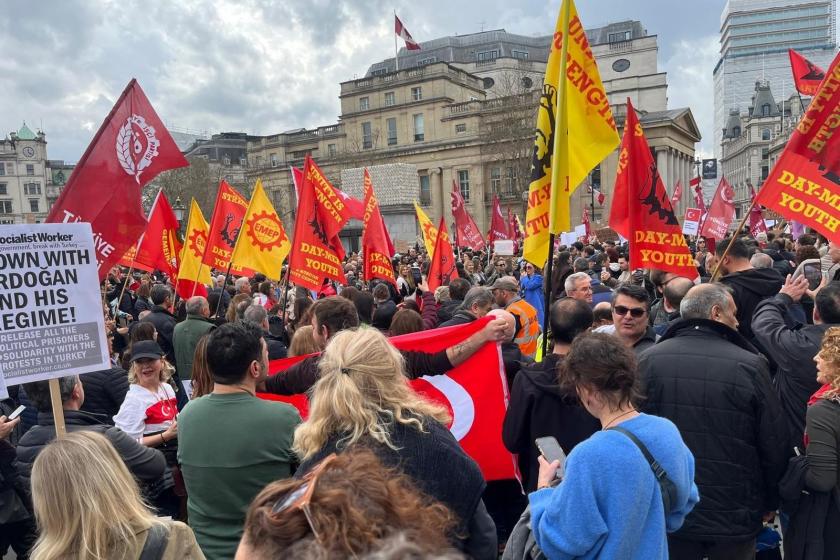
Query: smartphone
pixel 551 450
pixel 812 270
pixel 122 321
pixel 16 413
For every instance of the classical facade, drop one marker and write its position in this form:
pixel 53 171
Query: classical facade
pixel 462 112
pixel 225 154
pixel 24 176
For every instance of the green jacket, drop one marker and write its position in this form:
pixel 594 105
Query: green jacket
pixel 186 338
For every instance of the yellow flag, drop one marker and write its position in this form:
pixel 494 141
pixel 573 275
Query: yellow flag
pixel 192 270
pixel 263 244
pixel 578 110
pixel 427 228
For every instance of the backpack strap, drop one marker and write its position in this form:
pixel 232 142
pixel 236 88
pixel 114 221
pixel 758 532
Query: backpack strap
pixel 156 541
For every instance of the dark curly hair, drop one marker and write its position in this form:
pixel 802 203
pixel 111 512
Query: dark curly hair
pixel 356 504
pixel 602 363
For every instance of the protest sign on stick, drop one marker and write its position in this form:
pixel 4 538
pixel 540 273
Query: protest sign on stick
pixel 51 317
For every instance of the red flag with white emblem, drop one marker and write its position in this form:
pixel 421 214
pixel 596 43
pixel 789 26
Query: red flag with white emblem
pixel 130 148
pixel 403 34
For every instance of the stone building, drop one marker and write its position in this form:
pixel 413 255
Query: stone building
pixel 462 111
pixel 24 176
pixel 226 156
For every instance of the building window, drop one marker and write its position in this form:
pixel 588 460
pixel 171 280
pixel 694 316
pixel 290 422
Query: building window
pixel 460 128
pixel 416 93
pixel 2 168
pixel 618 37
pixel 419 132
pixel 736 131
pixel 488 55
pixel 427 60
pixel 425 190
pixel 520 54
pixel 331 150
pixel 273 159
pixel 30 189
pixel 496 179
pixel 392 131
pixel 7 221
pixel 464 184
pixel 765 110
pixel 5 206
pixel 364 103
pixel 765 134
pixel 379 72
pixel 367 136
pixel 30 169
pixel 10 168
pixel 226 161
pixel 243 161
pixel 510 181
pixel 390 99
pixel 3 189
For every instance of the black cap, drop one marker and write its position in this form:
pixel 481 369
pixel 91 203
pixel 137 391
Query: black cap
pixel 146 349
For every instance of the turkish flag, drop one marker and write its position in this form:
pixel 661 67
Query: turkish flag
pixel 475 392
pixel 498 227
pixel 757 224
pixel 355 206
pixel 376 243
pixel 806 75
pixel 816 136
pixel 442 269
pixel 160 247
pixel 130 148
pixel 641 210
pixel 228 213
pixel 721 212
pixel 467 233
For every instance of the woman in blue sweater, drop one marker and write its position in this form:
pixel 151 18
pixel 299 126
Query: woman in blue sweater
pixel 609 503
pixel 532 289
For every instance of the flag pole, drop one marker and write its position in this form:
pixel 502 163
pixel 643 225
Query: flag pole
pixel 396 50
pixel 560 130
pixel 716 273
pixel 125 283
pixel 195 284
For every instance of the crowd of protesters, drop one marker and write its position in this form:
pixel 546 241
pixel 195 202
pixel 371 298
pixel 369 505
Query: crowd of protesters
pixel 696 416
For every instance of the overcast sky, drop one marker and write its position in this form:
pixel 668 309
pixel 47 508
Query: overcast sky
pixel 266 67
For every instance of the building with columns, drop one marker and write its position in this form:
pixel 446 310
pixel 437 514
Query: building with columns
pixel 462 111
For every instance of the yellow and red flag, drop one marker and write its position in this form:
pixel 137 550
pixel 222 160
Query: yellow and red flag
pixel 575 132
pixel 428 230
pixel 225 224
pixel 263 244
pixel 377 249
pixel 194 275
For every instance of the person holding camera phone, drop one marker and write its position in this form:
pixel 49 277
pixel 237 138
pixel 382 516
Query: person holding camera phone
pixel 610 503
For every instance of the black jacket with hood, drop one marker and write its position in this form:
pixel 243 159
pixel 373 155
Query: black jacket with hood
pixel 539 407
pixel 750 287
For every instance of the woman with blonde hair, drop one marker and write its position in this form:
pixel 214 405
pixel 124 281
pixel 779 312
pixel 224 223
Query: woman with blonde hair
pixel 88 506
pixel 303 343
pixel 363 398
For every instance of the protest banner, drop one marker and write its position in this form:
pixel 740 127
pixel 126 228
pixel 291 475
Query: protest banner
pixel 691 221
pixel 503 247
pixel 51 317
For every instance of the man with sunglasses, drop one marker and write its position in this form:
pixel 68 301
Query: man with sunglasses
pixel 630 317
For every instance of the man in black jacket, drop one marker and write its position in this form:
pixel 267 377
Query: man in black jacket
pixel 257 315
pixel 477 303
pixel 749 285
pixel 145 463
pixel 793 346
pixel 458 289
pixel 539 406
pixel 715 386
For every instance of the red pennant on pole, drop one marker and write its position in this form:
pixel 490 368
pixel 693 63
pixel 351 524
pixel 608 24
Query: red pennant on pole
pixel 375 240
pixel 721 212
pixel 806 75
pixel 675 198
pixel 442 269
pixel 321 213
pixel 130 148
pixel 641 210
pixel 757 224
pixel 498 227
pixel 160 247
pixel 467 233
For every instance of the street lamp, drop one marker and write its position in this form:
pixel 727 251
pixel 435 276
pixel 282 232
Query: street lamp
pixel 178 209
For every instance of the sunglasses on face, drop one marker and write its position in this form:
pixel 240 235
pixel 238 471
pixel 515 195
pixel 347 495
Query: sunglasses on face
pixel 635 312
pixel 301 497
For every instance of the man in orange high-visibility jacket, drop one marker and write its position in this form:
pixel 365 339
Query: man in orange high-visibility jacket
pixel 506 292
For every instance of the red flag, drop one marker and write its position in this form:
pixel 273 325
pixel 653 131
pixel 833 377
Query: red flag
pixel 585 221
pixel 317 250
pixel 601 197
pixel 467 233
pixel 498 227
pixel 442 269
pixel 816 136
pixel 641 211
pixel 757 224
pixel 159 247
pixel 375 240
pixel 806 75
pixel 698 194
pixel 128 260
pixel 475 393
pixel 721 212
pixel 355 206
pixel 403 34
pixel 801 191
pixel 675 198
pixel 228 213
pixel 130 148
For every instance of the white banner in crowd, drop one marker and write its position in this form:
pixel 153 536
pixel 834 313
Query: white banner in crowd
pixel 51 316
pixel 691 221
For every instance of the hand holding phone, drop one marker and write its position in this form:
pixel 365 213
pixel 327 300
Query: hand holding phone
pixel 551 451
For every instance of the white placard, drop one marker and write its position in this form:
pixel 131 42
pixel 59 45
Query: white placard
pixel 503 247
pixel 567 238
pixel 691 221
pixel 51 315
pixel 580 231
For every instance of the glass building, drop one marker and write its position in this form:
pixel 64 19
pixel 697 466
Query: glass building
pixel 755 36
